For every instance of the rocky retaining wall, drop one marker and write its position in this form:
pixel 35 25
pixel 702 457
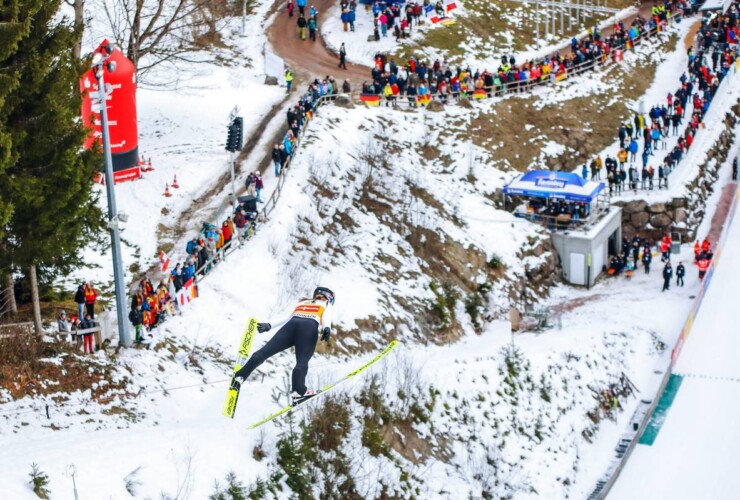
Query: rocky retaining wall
pixel 682 215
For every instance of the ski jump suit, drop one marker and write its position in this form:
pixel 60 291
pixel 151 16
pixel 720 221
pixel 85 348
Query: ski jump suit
pixel 301 330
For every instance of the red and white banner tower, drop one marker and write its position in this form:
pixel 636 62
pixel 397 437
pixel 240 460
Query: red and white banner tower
pixel 121 104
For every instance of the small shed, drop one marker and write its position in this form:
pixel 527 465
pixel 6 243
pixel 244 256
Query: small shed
pixel 584 251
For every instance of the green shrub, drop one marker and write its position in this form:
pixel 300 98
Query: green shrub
pixel 39 481
pixel 495 262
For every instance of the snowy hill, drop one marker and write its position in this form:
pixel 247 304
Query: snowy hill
pixel 399 213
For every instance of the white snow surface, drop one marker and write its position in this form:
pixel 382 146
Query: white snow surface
pixel 183 131
pixel 694 453
pixel 177 420
pixel 597 341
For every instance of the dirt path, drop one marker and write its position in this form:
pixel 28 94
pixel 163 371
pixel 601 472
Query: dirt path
pixel 314 59
pixel 691 35
pixel 311 59
pixel 720 214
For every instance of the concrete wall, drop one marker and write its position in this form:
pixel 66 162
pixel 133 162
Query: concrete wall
pixel 587 243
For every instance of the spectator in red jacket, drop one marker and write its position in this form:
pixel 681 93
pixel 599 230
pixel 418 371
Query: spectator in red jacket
pixel 240 220
pixel 226 231
pixel 703 265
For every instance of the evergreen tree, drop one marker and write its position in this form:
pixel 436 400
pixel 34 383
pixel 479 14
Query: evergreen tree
pixel 12 30
pixel 48 179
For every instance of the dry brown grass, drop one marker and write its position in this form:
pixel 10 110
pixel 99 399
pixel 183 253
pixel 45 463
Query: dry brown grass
pixel 585 125
pixel 491 23
pixel 26 369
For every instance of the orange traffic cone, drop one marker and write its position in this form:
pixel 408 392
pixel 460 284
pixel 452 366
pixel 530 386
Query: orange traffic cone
pixel 149 167
pixel 175 184
pixel 167 190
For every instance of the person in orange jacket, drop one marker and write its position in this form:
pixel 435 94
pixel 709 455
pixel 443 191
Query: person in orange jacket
pixel 697 250
pixel 90 297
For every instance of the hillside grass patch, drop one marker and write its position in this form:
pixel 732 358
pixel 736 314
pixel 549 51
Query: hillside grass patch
pixel 489 29
pixel 517 128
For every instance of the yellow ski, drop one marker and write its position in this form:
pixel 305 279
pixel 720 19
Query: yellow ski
pixel 241 359
pixel 326 389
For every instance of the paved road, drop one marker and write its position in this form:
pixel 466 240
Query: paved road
pixel 314 59
pixel 311 59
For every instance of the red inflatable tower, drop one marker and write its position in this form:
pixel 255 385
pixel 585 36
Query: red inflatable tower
pixel 121 103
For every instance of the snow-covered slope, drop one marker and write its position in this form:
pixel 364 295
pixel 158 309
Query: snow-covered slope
pixel 693 453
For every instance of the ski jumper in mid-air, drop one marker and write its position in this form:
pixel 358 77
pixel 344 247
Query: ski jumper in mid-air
pixel 301 330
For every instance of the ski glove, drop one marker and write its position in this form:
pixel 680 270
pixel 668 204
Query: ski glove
pixel 263 327
pixel 325 334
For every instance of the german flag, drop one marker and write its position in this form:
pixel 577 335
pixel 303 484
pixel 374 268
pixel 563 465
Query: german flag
pixel 479 94
pixel 561 76
pixel 424 99
pixel 370 99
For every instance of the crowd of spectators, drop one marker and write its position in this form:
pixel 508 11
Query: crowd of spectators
pixel 418 81
pixel 707 67
pixel 556 212
pixel 720 28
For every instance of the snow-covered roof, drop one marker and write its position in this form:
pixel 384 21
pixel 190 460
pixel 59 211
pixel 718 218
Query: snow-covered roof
pixel 552 184
pixel 711 5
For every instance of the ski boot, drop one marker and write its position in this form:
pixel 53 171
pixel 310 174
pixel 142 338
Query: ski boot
pixel 236 383
pixel 298 399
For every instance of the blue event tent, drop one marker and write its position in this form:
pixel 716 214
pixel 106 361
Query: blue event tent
pixel 552 184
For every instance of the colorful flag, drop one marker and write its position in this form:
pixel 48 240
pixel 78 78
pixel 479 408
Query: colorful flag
pixel 428 7
pixel 370 99
pixel 561 76
pixel 479 94
pixel 434 19
pixel 451 6
pixel 188 292
pixel 424 99
pixel 447 21
pixel 164 261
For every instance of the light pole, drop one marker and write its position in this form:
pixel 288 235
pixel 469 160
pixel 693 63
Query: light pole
pixel 99 64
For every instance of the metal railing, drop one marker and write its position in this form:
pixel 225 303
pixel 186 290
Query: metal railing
pixel 491 91
pixel 505 88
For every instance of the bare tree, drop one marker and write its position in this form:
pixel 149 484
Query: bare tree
pixel 37 327
pixel 79 24
pixel 8 303
pixel 153 33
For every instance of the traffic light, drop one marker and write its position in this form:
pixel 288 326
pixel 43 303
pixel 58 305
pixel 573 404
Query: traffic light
pixel 235 135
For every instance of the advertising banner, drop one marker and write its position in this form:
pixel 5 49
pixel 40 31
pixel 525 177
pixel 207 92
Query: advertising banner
pixel 121 105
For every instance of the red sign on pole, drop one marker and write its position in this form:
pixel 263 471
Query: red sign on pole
pixel 121 104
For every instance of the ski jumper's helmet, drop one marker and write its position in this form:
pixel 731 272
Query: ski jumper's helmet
pixel 324 292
